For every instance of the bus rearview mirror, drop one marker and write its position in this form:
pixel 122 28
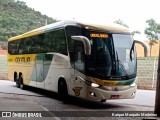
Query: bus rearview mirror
pixel 86 43
pixel 145 45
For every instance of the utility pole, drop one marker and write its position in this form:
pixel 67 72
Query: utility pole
pixel 157 100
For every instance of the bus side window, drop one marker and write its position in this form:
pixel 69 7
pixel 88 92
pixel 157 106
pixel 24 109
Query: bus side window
pixel 33 45
pixel 27 46
pixel 12 47
pixel 71 31
pixel 48 42
pixel 36 44
pixel 59 42
pixel 21 47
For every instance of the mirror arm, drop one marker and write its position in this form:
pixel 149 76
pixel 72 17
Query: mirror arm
pixel 145 46
pixel 86 42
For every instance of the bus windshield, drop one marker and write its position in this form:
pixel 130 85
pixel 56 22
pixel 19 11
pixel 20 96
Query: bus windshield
pixel 125 54
pixel 112 55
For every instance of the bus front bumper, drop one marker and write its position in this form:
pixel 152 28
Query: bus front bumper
pixel 117 92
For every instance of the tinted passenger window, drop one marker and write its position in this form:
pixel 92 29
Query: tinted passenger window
pixel 54 41
pixel 59 42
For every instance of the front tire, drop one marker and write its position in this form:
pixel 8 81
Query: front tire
pixel 62 90
pixel 103 100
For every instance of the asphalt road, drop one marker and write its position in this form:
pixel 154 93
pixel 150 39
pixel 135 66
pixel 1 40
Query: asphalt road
pixel 15 99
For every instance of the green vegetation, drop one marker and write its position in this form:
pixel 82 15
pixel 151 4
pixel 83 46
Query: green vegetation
pixel 17 18
pixel 152 32
pixel 120 22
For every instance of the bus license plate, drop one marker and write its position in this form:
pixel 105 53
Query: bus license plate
pixel 115 96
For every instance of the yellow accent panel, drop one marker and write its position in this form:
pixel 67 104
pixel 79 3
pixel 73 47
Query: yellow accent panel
pixel 105 82
pixel 28 34
pixel 19 64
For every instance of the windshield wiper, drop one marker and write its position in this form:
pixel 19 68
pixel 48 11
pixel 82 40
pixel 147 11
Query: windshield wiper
pixel 132 48
pixel 120 65
pixel 117 60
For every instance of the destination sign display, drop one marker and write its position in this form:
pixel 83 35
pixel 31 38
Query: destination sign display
pixel 99 35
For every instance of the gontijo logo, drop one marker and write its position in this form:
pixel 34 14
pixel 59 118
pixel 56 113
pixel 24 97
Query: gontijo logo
pixel 22 60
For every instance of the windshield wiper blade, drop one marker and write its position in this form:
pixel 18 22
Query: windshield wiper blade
pixel 117 60
pixel 119 64
pixel 132 48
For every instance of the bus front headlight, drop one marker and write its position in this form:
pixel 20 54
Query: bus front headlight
pixel 133 85
pixel 94 85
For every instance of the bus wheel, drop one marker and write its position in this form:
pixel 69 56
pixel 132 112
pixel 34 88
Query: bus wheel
pixel 62 89
pixel 17 82
pixel 22 86
pixel 15 77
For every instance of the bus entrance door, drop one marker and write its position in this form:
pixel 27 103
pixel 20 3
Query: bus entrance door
pixel 39 69
pixel 79 68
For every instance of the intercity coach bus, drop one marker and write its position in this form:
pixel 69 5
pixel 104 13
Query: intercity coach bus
pixel 86 60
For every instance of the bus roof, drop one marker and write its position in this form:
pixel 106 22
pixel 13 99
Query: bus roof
pixel 94 26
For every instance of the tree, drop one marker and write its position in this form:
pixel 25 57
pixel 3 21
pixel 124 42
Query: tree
pixel 152 32
pixel 17 18
pixel 120 22
pixel 135 32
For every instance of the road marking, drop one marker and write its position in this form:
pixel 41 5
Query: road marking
pixel 46 109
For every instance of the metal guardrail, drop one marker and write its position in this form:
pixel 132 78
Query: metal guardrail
pixel 147 72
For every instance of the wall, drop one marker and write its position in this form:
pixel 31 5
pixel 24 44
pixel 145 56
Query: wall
pixel 3 65
pixel 154 51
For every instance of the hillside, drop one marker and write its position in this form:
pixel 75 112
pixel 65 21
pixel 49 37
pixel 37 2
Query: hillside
pixel 16 18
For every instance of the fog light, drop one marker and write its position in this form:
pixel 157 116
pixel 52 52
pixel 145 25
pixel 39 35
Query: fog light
pixel 133 93
pixel 92 94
